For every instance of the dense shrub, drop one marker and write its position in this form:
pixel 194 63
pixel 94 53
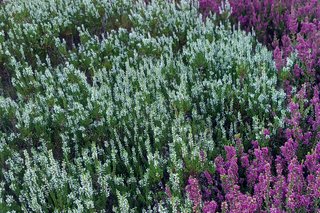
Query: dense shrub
pixel 272 179
pixel 259 180
pixel 293 187
pixel 113 104
pixel 288 27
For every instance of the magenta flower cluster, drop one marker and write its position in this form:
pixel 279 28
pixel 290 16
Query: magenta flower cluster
pixel 271 184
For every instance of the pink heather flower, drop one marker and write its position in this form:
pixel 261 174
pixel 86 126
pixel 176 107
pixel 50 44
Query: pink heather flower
pixel 232 172
pixel 193 191
pixel 317 151
pixel 288 188
pixel 257 166
pixel 209 207
pixel 294 186
pixel 228 170
pixel 287 88
pixel 312 161
pixel 279 189
pixel 291 203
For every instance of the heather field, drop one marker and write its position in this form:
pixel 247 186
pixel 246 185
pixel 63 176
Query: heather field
pixel 182 106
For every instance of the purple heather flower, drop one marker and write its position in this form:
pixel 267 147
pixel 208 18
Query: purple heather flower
pixel 266 133
pixel 230 152
pixel 288 150
pixel 207 193
pixel 293 107
pixel 245 161
pixel 306 138
pixel 219 162
pixel 307 28
pixel 208 177
pixel 193 191
pixel 255 144
pixel 286 46
pixel 276 210
pixel 277 54
pixel 292 22
pixel 209 207
pixel 297 71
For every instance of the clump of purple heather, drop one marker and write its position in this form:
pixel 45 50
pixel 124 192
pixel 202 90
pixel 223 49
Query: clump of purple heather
pixel 303 123
pixel 208 6
pixel 193 191
pixel 276 184
pixel 209 207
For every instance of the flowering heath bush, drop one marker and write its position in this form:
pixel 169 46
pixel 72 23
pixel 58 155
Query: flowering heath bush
pixel 281 177
pixel 150 106
pixel 288 27
pixel 256 181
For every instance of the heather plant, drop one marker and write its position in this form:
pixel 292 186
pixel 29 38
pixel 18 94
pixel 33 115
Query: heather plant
pixel 256 181
pixel 114 104
pixel 288 27
pixel 264 178
pixel 291 29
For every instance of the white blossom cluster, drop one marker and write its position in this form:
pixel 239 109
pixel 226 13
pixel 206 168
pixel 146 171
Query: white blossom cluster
pixel 115 100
